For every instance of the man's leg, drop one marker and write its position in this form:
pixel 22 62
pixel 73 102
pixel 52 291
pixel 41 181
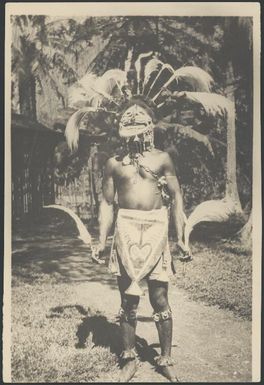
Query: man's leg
pixel 128 323
pixel 158 295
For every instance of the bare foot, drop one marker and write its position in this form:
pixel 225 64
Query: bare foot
pixel 128 371
pixel 169 373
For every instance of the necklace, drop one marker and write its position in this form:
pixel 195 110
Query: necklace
pixel 133 161
pixel 136 164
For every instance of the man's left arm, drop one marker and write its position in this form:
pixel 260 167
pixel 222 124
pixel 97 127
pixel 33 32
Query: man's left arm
pixel 179 217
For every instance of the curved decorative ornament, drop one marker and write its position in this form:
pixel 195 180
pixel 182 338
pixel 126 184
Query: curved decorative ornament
pixel 84 234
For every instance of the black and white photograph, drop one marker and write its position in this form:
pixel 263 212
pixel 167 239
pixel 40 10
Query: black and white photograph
pixel 132 192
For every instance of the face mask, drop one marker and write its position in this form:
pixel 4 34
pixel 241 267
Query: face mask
pixel 134 122
pixel 135 144
pixel 139 143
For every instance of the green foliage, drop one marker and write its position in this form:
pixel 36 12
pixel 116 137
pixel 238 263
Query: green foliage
pixel 56 52
pixel 44 342
pixel 220 274
pixel 68 166
pixel 47 53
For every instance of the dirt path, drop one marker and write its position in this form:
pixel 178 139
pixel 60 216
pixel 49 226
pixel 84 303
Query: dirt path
pixel 209 344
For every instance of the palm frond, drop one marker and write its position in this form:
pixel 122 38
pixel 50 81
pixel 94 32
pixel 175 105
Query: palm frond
pixel 185 131
pixel 73 126
pixel 16 37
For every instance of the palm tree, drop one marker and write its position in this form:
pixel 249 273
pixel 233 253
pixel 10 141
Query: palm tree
pixel 23 48
pixel 28 59
pixel 40 58
pixel 237 54
pixel 228 207
pixel 245 234
pixel 239 70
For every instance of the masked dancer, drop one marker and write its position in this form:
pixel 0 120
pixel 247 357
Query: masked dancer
pixel 148 193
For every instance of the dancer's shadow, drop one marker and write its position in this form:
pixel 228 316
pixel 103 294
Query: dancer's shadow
pixel 108 334
pixel 103 333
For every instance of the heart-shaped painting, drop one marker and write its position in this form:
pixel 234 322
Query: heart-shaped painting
pixel 139 254
pixel 137 251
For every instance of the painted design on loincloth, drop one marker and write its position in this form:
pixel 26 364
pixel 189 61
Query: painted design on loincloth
pixel 140 252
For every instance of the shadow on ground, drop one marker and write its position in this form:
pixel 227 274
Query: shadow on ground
pixel 104 333
pixel 65 259
pixel 48 251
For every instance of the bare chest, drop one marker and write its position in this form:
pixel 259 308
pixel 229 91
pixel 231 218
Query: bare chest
pixel 147 168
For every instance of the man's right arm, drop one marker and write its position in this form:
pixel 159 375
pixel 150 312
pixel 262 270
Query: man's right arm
pixel 106 210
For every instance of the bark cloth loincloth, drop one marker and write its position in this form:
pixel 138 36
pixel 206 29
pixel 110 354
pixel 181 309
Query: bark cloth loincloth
pixel 140 246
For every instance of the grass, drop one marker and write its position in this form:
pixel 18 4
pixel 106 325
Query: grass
pixel 45 344
pixel 220 274
pixel 52 342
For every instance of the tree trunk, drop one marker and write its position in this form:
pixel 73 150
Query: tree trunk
pixel 27 95
pixel 15 93
pixel 231 182
pixel 90 164
pixel 157 31
pixel 245 234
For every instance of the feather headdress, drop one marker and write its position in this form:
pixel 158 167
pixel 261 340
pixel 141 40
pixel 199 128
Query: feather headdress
pixel 111 91
pixel 157 84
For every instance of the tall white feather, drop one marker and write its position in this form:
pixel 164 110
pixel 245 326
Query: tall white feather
pixel 84 234
pixel 87 80
pixel 73 126
pixel 138 65
pixel 163 68
pixel 106 83
pixel 128 60
pixel 152 66
pixel 197 78
pixel 213 104
pixel 81 91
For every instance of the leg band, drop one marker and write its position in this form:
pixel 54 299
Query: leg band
pixel 164 361
pixel 162 315
pixel 127 315
pixel 128 354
